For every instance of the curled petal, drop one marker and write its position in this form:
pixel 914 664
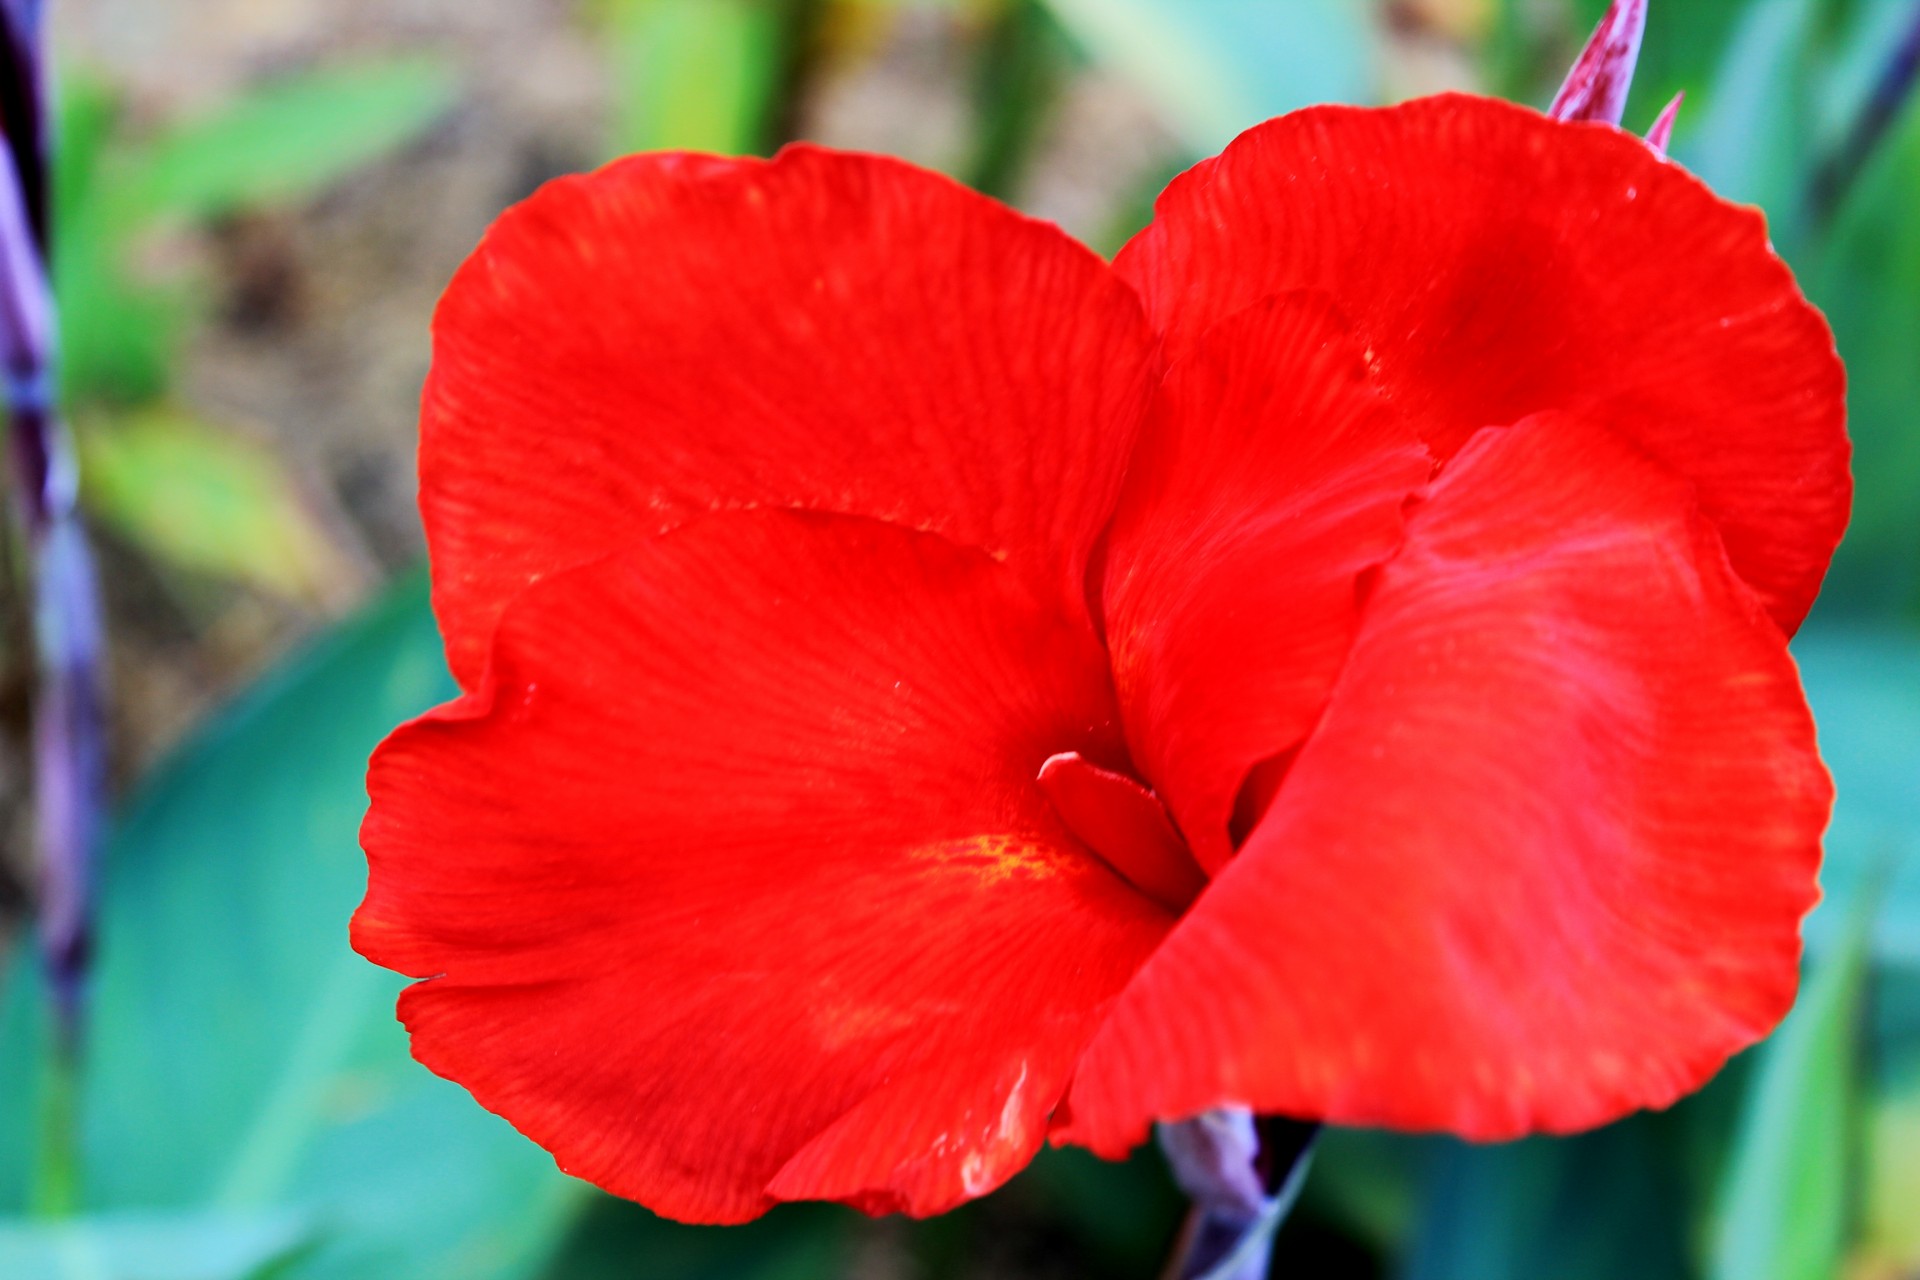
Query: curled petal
pixel 1126 825
pixel 1499 264
pixel 1545 858
pixel 677 334
pixel 732 881
pixel 1271 476
pixel 1596 88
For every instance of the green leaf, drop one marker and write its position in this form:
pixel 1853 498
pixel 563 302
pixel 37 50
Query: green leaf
pixel 207 500
pixel 241 1057
pixel 1217 67
pixel 85 113
pixel 1890 1234
pixel 22 1032
pixel 1784 1199
pixel 692 74
pixel 1864 685
pixel 1368 1182
pixel 1120 1214
pixel 1682 42
pixel 286 141
pixel 794 1242
pixel 1866 276
pixel 118 336
pixel 207 1246
pixel 1752 141
pixel 1598 1207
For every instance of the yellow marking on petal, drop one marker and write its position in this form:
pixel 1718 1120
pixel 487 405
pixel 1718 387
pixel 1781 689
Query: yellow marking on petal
pixel 838 1025
pixel 996 858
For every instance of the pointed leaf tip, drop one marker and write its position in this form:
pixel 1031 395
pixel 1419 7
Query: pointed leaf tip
pixel 1596 88
pixel 1661 134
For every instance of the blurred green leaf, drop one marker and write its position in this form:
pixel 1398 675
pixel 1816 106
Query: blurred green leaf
pixel 1020 69
pixel 1121 1214
pixel 1682 43
pixel 85 112
pixel 1216 67
pixel 206 1246
pixel 618 1241
pixel 117 338
pixel 206 500
pixel 1866 277
pixel 1368 1183
pixel 1890 1243
pixel 1866 35
pixel 692 74
pixel 1752 141
pixel 1784 1201
pixel 119 331
pixel 1864 686
pixel 287 140
pixel 116 334
pixel 1601 1206
pixel 21 1033
pixel 242 1058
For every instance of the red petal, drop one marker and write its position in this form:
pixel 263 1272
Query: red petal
pixel 1545 858
pixel 1271 475
pixel 1125 824
pixel 1596 88
pixel 675 334
pixel 733 881
pixel 1501 264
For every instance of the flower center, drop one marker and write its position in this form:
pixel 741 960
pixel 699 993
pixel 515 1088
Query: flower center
pixel 1126 826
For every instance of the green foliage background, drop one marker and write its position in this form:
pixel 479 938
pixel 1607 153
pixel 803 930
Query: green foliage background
pixel 249 1109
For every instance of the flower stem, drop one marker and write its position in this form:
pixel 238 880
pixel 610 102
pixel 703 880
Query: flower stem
pixel 69 740
pixel 1244 1174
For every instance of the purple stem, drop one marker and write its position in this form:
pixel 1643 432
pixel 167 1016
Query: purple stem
pixel 1243 1173
pixel 69 737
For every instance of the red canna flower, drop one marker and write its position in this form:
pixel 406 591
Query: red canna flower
pixel 929 691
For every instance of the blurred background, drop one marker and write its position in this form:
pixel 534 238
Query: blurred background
pixel 257 203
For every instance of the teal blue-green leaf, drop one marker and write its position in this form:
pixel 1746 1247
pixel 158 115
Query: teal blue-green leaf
pixel 242 1057
pixel 1865 274
pixel 1682 42
pixel 1598 1207
pixel 22 1013
pixel 1784 1202
pixel 137 1246
pixel 1216 67
pixel 1751 141
pixel 697 75
pixel 287 140
pixel 1864 685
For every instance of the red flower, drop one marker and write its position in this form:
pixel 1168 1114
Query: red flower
pixel 833 559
